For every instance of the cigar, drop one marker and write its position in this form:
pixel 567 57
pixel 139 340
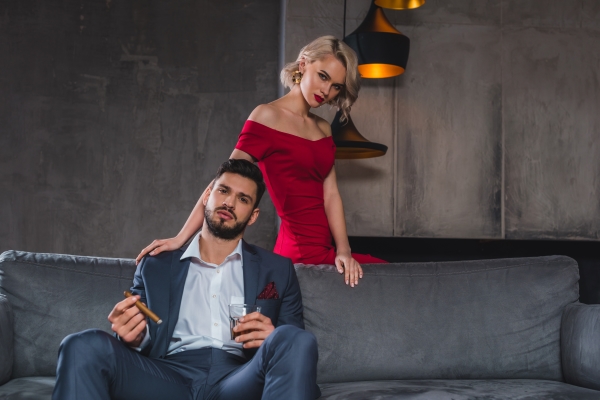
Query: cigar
pixel 145 310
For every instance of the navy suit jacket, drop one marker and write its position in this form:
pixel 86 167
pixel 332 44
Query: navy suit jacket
pixel 159 281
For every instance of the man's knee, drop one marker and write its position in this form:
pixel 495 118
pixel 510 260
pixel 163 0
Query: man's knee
pixel 88 344
pixel 293 337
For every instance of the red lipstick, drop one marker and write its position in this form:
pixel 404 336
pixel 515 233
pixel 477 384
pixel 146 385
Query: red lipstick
pixel 319 99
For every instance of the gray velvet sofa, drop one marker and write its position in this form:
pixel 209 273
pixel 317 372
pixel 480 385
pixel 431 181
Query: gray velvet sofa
pixel 495 329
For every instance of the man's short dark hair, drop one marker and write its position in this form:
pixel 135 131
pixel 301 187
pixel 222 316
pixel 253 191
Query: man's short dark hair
pixel 246 169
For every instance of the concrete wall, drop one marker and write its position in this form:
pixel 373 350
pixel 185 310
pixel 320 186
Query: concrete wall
pixel 114 115
pixel 493 131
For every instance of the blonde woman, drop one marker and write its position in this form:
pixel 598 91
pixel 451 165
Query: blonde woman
pixel 295 151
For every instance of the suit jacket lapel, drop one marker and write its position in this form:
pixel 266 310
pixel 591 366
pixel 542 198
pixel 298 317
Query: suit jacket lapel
pixel 167 283
pixel 251 266
pixel 178 275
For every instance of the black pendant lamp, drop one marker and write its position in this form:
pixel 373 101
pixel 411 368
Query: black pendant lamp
pixel 400 4
pixel 381 49
pixel 382 53
pixel 350 144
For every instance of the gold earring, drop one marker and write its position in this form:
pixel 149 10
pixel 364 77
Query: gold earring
pixel 297 77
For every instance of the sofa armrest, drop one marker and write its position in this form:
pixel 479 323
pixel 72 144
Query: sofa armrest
pixel 580 345
pixel 6 340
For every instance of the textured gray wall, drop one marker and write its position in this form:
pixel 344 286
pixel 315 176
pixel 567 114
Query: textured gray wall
pixel 552 131
pixel 493 131
pixel 114 115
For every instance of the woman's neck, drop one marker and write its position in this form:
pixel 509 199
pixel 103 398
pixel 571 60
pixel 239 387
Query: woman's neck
pixel 294 102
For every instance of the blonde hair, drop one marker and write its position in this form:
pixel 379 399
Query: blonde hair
pixel 317 50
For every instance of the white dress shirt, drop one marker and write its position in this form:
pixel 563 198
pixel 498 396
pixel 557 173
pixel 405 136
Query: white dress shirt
pixel 204 314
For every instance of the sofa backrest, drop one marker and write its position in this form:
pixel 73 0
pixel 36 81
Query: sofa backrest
pixel 471 319
pixel 6 340
pixel 53 295
pixel 444 320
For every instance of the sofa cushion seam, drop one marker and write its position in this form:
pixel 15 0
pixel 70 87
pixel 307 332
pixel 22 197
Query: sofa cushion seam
pixel 72 270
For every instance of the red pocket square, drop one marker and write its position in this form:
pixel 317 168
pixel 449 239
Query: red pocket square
pixel 269 292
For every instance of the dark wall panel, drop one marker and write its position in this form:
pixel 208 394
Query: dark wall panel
pixel 114 116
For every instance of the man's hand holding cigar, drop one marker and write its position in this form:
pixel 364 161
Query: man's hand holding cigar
pixel 128 321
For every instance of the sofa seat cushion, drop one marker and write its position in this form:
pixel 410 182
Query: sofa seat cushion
pixel 499 389
pixel 36 388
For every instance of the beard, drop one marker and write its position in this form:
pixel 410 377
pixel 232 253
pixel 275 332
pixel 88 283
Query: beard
pixel 218 227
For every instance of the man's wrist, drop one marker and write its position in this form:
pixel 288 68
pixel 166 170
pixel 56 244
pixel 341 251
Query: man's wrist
pixel 138 342
pixel 143 341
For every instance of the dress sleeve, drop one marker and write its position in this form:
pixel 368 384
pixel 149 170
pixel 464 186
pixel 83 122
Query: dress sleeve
pixel 254 141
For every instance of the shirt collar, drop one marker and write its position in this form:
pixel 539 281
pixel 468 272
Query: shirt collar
pixel 193 250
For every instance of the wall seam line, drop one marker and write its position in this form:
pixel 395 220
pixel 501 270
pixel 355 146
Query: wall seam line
pixel 502 133
pixel 282 19
pixel 395 157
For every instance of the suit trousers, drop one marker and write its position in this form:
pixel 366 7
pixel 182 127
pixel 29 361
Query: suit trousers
pixel 95 365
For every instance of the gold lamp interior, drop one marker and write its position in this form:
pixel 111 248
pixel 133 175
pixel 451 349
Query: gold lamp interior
pixel 400 4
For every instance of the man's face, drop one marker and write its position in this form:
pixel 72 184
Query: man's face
pixel 229 207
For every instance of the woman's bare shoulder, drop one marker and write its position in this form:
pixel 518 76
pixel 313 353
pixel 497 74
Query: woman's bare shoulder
pixel 265 114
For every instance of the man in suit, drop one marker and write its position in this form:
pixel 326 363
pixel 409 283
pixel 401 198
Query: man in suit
pixel 190 355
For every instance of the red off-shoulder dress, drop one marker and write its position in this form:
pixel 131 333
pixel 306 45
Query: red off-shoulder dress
pixel 294 169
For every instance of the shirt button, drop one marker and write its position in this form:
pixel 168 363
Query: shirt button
pixel 216 324
pixel 218 271
pixel 214 295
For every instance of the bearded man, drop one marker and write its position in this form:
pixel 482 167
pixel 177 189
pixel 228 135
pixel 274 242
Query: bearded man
pixel 191 355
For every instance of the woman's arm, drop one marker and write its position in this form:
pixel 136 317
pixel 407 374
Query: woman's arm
pixel 334 210
pixel 191 226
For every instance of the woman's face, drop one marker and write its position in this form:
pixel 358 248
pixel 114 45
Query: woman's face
pixel 322 80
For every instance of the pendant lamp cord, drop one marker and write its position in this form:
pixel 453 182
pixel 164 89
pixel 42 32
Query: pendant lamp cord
pixel 344 35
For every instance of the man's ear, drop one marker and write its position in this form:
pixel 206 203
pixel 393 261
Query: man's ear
pixel 206 195
pixel 253 216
